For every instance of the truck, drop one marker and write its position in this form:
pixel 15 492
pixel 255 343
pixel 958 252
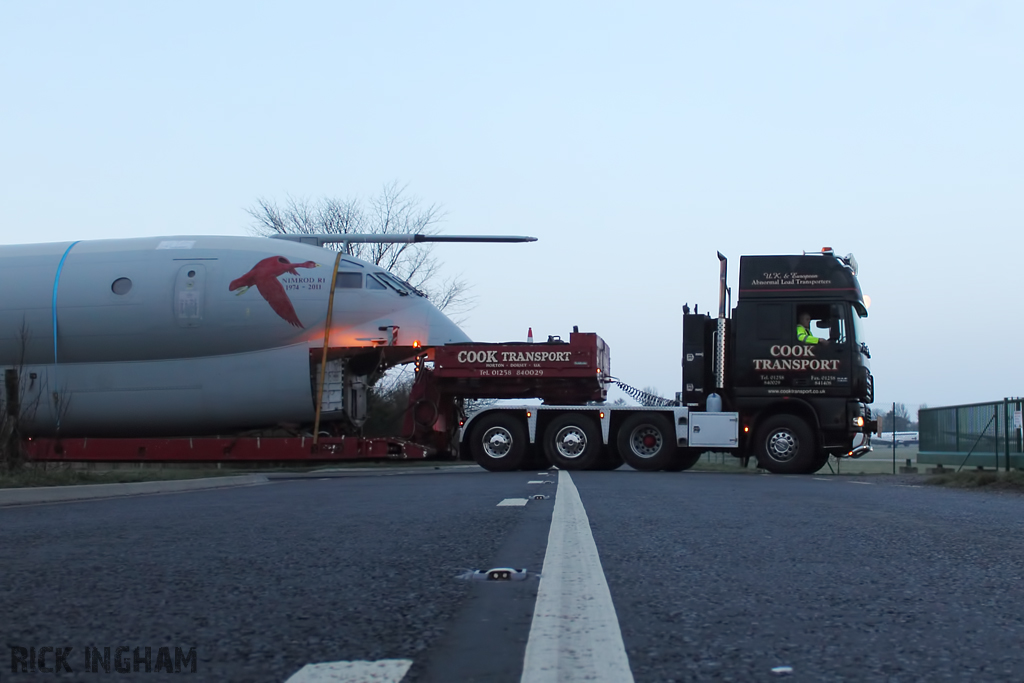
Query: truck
pixel 750 387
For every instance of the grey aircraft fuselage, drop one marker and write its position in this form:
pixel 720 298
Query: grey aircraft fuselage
pixel 161 336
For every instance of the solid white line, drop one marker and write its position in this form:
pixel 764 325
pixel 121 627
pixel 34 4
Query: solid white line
pixel 575 634
pixel 381 671
pixel 546 481
pixel 865 483
pixel 513 502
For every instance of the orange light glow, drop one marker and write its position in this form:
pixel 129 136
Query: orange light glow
pixel 529 413
pixel 416 344
pixel 746 429
pixel 602 414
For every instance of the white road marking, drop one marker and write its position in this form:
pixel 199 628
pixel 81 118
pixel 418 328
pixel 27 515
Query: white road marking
pixel 381 671
pixel 865 483
pixel 823 479
pixel 513 502
pixel 546 481
pixel 575 634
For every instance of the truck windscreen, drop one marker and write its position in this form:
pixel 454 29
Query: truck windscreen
pixel 859 316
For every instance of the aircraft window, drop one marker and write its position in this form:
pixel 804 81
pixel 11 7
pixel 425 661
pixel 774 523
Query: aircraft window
pixel 348 280
pixel 121 286
pixel 400 286
pixel 392 282
pixel 351 263
pixel 191 273
pixel 374 283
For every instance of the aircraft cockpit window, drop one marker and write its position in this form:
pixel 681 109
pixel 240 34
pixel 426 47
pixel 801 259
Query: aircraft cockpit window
pixel 121 286
pixel 400 286
pixel 348 280
pixel 374 283
pixel 354 264
pixel 393 282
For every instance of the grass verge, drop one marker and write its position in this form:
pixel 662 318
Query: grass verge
pixel 1007 481
pixel 30 477
pixel 62 475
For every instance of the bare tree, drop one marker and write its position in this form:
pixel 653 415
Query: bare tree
pixel 392 211
pixel 902 421
pixel 895 422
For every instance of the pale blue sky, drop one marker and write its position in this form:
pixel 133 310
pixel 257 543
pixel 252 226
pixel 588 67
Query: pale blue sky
pixel 633 139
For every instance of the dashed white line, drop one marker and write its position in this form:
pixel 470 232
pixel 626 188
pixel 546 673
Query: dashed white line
pixel 865 483
pixel 381 671
pixel 575 633
pixel 513 502
pixel 546 481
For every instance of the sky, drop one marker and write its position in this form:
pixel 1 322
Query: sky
pixel 634 140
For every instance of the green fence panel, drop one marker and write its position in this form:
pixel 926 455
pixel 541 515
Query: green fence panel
pixel 974 434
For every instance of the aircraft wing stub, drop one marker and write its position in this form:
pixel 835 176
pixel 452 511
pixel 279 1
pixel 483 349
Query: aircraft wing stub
pixel 320 239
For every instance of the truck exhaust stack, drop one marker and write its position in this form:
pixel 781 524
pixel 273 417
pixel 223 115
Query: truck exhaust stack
pixel 720 333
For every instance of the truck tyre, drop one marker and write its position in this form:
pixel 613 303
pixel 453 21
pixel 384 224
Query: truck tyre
pixel 646 442
pixel 535 458
pixel 685 459
pixel 573 442
pixel 498 443
pixel 785 445
pixel 819 461
pixel 610 459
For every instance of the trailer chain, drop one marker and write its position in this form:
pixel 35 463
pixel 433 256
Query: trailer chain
pixel 642 397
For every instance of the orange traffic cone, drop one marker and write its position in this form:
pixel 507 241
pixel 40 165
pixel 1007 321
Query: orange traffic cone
pixel 529 336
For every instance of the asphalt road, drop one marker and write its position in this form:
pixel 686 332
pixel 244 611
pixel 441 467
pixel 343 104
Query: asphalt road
pixel 717 577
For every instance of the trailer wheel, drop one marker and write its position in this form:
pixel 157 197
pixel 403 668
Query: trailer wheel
pixel 685 459
pixel 785 445
pixel 498 443
pixel 646 442
pixel 573 442
pixel 610 459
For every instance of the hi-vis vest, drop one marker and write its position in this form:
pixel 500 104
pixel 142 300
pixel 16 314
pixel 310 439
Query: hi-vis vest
pixel 804 336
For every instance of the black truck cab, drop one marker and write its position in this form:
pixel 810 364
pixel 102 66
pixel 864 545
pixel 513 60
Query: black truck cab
pixel 799 400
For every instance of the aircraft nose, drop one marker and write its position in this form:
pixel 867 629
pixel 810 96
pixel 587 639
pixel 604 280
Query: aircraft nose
pixel 441 330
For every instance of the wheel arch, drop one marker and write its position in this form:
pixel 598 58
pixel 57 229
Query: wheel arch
pixel 795 408
pixel 517 412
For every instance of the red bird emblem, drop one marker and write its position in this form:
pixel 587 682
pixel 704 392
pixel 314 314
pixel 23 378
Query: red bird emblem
pixel 263 277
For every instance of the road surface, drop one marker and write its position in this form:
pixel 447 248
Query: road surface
pixel 706 577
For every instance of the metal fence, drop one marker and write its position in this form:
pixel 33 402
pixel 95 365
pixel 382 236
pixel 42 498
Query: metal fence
pixel 973 435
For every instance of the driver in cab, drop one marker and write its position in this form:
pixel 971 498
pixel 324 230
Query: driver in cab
pixel 803 331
